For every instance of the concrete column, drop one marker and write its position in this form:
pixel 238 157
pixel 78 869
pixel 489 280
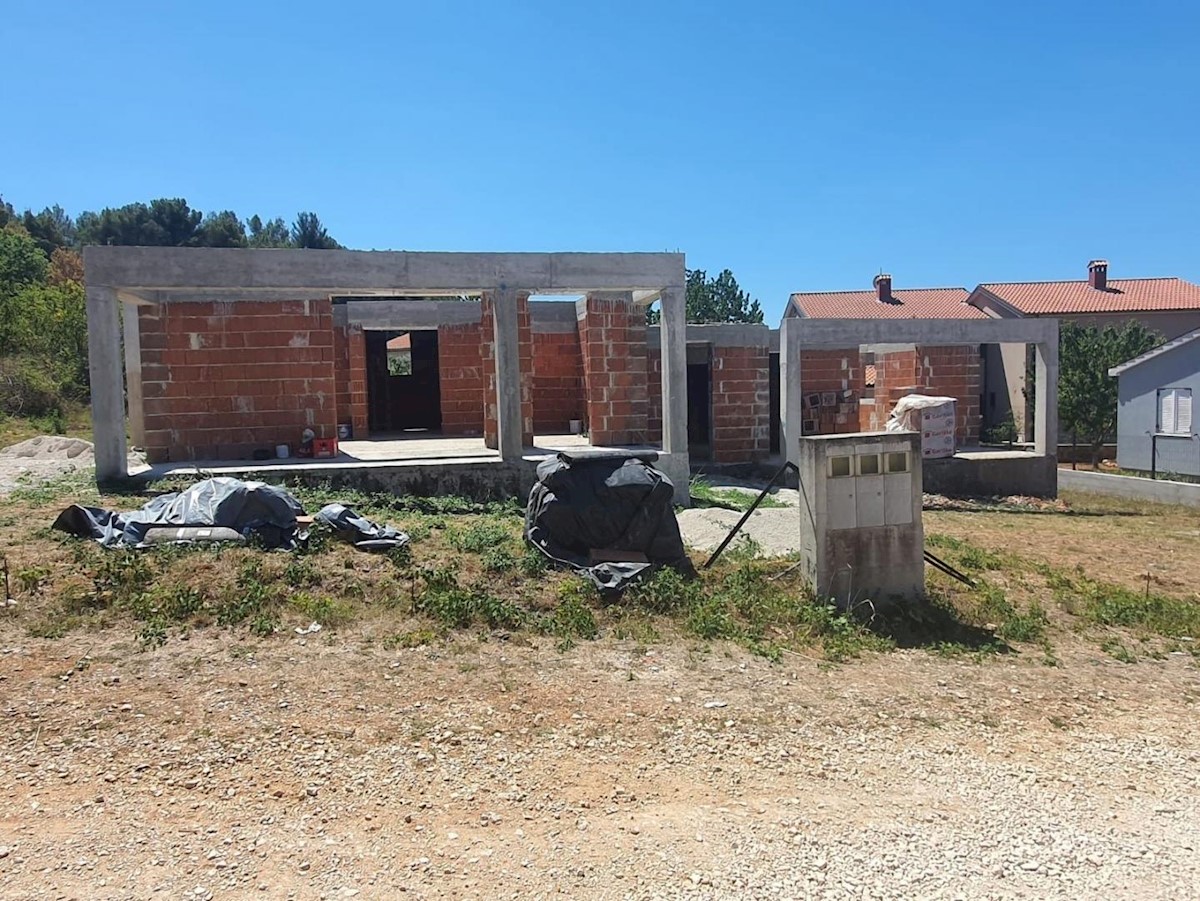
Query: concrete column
pixel 108 384
pixel 673 338
pixel 1045 434
pixel 508 373
pixel 791 392
pixel 133 373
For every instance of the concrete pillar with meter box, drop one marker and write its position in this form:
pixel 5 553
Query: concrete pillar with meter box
pixel 860 504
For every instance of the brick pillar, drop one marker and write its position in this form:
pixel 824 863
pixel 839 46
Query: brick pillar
pixel 487 345
pixel 741 410
pixel 654 424
pixel 460 370
pixel 612 336
pixel 358 381
pixel 954 371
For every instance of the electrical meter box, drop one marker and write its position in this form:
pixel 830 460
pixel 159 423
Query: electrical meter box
pixel 860 507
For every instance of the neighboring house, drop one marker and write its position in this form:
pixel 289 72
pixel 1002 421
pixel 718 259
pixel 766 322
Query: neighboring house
pixel 1155 426
pixel 856 388
pixel 1169 306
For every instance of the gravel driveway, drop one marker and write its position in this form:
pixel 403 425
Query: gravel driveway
pixel 329 767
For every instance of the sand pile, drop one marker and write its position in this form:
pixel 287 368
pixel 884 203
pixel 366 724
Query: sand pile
pixel 50 447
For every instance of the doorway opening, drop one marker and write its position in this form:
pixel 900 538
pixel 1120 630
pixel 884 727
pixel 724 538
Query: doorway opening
pixel 699 395
pixel 403 388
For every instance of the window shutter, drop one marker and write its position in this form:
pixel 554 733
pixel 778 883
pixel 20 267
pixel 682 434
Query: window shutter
pixel 1166 411
pixel 1183 411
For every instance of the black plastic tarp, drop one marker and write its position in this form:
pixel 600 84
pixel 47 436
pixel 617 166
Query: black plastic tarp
pixel 363 533
pixel 255 510
pixel 605 502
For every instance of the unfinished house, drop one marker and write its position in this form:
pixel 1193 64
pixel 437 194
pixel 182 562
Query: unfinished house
pixel 404 358
pixel 851 389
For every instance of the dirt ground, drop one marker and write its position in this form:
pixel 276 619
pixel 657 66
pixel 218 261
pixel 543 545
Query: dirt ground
pixel 492 763
pixel 326 767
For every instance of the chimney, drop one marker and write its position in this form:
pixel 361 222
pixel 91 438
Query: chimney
pixel 883 288
pixel 1098 274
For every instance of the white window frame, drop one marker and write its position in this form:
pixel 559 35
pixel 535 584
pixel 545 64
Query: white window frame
pixel 1173 412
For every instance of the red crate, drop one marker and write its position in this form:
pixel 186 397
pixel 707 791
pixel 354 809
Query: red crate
pixel 325 447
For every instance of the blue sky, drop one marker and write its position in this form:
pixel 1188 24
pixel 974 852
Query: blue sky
pixel 804 145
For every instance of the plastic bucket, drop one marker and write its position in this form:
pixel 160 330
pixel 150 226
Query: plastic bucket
pixel 345 431
pixel 282 452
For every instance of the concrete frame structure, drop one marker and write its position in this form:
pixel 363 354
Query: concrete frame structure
pixel 131 277
pixel 798 335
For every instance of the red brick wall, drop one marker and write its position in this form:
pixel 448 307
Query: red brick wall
pixel 741 423
pixel 221 380
pixel 557 382
pixel 341 373
pixel 954 371
pixel 460 370
pixel 491 435
pixel 612 335
pixel 895 376
pixel 357 343
pixel 826 373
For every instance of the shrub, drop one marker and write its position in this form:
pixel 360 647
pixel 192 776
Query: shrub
pixel 27 388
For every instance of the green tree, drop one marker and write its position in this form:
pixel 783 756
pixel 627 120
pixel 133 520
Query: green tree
pixel 718 299
pixel 307 231
pixel 52 228
pixel 22 262
pixel 1087 394
pixel 7 213
pixel 49 323
pixel 166 222
pixel 222 229
pixel 272 233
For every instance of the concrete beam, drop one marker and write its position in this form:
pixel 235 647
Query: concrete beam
pixel 508 373
pixel 107 383
pixel 673 342
pixel 553 317
pixel 410 314
pixel 720 334
pixel 791 392
pixel 842 333
pixel 1045 433
pixel 326 272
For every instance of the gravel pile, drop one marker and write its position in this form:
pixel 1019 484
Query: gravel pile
pixel 330 768
pixel 41 458
pixel 46 457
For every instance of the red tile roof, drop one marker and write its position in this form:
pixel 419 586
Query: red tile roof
pixel 908 303
pixel 1124 295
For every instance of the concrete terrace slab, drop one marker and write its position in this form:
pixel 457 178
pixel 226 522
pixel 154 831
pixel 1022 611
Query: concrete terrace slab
pixel 426 465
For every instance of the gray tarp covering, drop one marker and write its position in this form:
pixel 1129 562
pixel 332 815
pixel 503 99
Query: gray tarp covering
pixel 358 530
pixel 605 502
pixel 266 513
